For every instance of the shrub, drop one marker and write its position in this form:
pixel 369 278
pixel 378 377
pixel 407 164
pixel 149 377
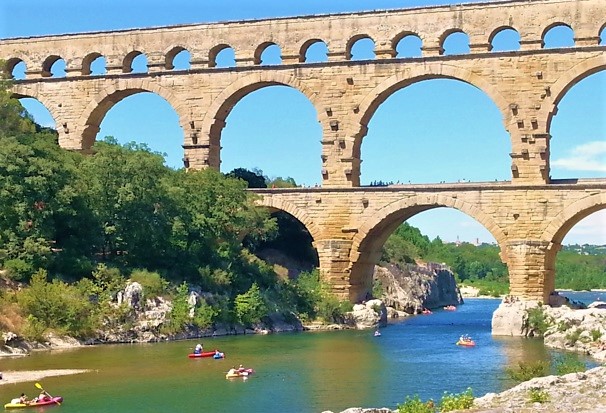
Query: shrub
pixel 569 363
pixel 250 307
pixel 537 320
pixel 178 317
pixel 153 284
pixel 573 336
pixel 108 281
pixel 536 395
pixel 34 329
pixel 18 269
pixel 416 405
pixel 596 334
pixel 57 305
pixel 204 315
pixel 377 289
pixel 450 402
pixel 563 326
pixel 527 371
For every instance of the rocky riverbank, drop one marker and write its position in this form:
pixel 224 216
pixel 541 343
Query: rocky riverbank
pixel 406 291
pixel 576 392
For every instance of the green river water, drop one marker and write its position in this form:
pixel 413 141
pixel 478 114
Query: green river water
pixel 295 372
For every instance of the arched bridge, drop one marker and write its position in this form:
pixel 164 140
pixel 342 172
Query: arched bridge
pixel 528 215
pixel 350 225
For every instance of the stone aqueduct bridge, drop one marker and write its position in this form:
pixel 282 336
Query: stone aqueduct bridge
pixel 528 216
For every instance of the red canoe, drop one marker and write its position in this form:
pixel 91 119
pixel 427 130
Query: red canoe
pixel 204 354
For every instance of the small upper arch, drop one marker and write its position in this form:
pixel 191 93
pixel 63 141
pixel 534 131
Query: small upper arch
pixel 88 61
pixel 214 53
pixel 313 50
pixel 454 41
pixel 260 56
pixel 173 54
pixel 133 62
pixel 363 42
pixel 11 66
pixel 50 66
pixel 504 38
pixel 558 34
pixel 407 44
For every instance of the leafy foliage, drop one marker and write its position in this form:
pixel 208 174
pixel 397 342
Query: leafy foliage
pixel 250 307
pixel 537 320
pixel 462 401
pixel 537 395
pixel 527 371
pixel 449 402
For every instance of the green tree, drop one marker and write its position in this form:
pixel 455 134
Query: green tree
pixel 250 307
pixel 129 200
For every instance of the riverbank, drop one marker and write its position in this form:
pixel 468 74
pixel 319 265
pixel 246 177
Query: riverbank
pixel 576 392
pixel 13 377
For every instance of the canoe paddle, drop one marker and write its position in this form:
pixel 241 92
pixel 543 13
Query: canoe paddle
pixel 38 385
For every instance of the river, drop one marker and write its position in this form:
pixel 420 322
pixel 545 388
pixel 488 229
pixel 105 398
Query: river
pixel 295 372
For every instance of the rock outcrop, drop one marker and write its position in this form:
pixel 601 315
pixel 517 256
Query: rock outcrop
pixel 411 288
pixel 368 315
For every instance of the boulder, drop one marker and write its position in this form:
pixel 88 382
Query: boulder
pixel 368 314
pixel 133 295
pixel 511 317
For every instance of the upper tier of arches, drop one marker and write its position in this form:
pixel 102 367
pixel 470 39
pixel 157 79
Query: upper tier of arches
pixel 530 24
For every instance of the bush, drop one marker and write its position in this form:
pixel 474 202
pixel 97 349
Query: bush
pixel 377 289
pixel 153 284
pixel 537 395
pixel 527 371
pixel 573 336
pixel 537 320
pixel 18 269
pixel 450 402
pixel 58 306
pixel 416 405
pixel 596 334
pixel 250 307
pixel 178 318
pixel 204 315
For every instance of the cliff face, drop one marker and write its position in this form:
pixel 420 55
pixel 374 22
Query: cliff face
pixel 412 288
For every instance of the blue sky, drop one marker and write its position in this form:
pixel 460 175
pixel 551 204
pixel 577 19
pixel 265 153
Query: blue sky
pixel 436 130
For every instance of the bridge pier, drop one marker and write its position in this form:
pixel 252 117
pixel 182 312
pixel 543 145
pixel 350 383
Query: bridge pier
pixel 531 265
pixel 335 269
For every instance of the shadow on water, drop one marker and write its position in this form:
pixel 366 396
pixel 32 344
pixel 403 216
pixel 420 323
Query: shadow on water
pixel 295 373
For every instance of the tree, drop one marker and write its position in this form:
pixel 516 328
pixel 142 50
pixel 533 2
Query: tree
pixel 129 200
pixel 254 179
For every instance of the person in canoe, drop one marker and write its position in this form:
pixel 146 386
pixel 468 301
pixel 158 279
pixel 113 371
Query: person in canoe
pixel 42 397
pixel 21 399
pixel 198 349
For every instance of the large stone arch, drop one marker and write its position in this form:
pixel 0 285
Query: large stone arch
pixel 562 223
pixel 367 243
pixel 557 229
pixel 373 99
pixel 277 204
pixel 213 121
pixel 22 92
pixel 567 80
pixel 95 111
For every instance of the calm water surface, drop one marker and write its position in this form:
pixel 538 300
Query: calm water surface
pixel 296 373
